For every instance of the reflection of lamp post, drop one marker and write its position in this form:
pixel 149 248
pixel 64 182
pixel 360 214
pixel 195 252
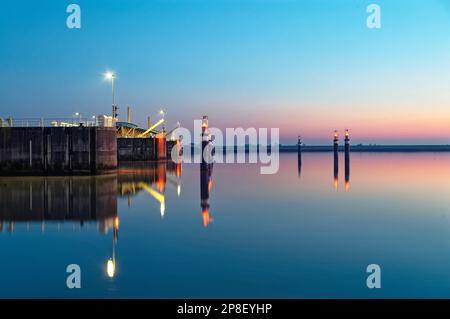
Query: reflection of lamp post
pixel 162 208
pixel 110 268
pixel 111 263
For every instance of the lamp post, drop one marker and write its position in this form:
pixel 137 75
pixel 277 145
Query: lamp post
pixel 78 115
pixel 111 77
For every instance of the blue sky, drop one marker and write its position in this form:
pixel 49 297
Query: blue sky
pixel 306 67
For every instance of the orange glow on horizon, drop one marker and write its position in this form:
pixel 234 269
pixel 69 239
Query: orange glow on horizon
pixel 370 126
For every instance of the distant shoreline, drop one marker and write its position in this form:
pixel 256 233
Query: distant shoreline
pixel 369 148
pixel 353 148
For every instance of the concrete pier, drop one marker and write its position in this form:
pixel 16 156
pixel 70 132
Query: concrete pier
pixel 145 149
pixel 57 150
pixel 138 149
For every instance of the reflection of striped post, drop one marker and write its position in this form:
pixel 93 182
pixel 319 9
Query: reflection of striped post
pixel 336 158
pixel 206 172
pixel 299 154
pixel 347 160
pixel 205 188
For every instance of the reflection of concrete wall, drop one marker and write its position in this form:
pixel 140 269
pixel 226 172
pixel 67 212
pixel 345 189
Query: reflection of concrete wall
pixel 57 150
pixel 131 174
pixel 58 198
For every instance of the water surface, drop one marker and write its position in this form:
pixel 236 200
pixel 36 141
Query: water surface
pixel 171 231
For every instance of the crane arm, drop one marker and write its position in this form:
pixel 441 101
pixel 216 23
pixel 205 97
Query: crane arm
pixel 161 121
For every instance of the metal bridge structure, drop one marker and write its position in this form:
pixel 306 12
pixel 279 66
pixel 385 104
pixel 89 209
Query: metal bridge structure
pixel 129 130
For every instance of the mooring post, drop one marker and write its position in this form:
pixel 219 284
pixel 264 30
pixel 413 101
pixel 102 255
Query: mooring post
pixel 206 140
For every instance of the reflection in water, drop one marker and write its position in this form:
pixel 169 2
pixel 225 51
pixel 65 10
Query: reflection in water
pixel 287 223
pixel 206 167
pixel 299 156
pixel 347 161
pixel 83 199
pixel 336 159
pixel 61 200
pixel 111 264
pixel 58 200
pixel 151 178
pixel 205 189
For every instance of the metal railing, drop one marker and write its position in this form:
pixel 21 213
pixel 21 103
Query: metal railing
pixel 47 122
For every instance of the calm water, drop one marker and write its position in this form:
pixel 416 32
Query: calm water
pixel 174 233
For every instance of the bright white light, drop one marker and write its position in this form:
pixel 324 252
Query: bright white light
pixel 162 208
pixel 179 190
pixel 110 268
pixel 109 75
pixel 77 114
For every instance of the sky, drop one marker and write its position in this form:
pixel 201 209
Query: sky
pixel 305 67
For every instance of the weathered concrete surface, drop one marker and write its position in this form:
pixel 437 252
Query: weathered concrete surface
pixel 57 150
pixel 141 149
pixel 176 147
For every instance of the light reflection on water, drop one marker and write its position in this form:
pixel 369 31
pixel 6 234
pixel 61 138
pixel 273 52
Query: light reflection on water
pixel 170 231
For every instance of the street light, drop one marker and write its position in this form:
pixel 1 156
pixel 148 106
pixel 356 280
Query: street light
pixel 110 76
pixel 78 114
